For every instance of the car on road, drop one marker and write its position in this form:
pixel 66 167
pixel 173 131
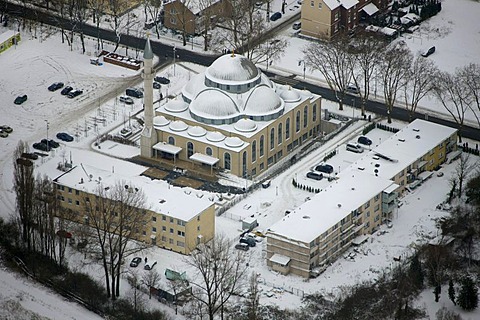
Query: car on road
pixel 74 93
pixel 29 155
pixel 297 26
pixel 428 52
pixel 162 80
pixel 51 143
pixel 20 99
pixel 55 86
pixel 364 140
pixel 275 16
pixel 126 100
pixel 41 146
pixel 315 175
pixel 66 90
pixel 242 246
pixel 351 88
pixel 249 241
pixel 324 167
pixel 64 137
pixel 149 265
pixel 6 129
pixel 135 262
pixel 134 92
pixel 157 85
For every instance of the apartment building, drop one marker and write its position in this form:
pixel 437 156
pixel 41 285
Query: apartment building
pixel 363 197
pixel 326 19
pixel 172 219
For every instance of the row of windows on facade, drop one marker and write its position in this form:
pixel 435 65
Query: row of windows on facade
pixel 170 241
pixel 172 231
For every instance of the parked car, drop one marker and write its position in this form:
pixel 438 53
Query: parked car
pixel 242 246
pixel 51 143
pixel 64 137
pixel 157 85
pixel 125 132
pixel 428 52
pixel 135 262
pixel 149 265
pixel 134 92
pixel 324 167
pixel 41 146
pixel 354 147
pixel 3 134
pixel 126 100
pixel 266 183
pixel 249 241
pixel 275 16
pixel 55 86
pixel 364 140
pixel 6 129
pixel 315 175
pixel 253 236
pixel 29 155
pixel 74 93
pixel 297 26
pixel 351 88
pixel 259 233
pixel 20 99
pixel 162 80
pixel 66 90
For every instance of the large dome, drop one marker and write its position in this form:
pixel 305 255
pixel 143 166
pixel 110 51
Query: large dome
pixel 232 68
pixel 214 104
pixel 262 101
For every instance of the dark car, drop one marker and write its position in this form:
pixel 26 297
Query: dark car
pixel 31 156
pixel 64 137
pixel 430 51
pixel 242 246
pixel 135 262
pixel 55 86
pixel 275 16
pixel 149 265
pixel 133 92
pixel 74 93
pixel 41 146
pixel 162 80
pixel 364 140
pixel 325 168
pixel 51 143
pixel 315 175
pixel 66 90
pixel 156 85
pixel 20 99
pixel 351 88
pixel 6 129
pixel 250 241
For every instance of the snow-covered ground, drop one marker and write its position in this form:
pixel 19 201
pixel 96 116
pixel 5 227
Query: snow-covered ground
pixel 36 63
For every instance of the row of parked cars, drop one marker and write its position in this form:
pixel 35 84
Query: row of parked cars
pixel 249 239
pixel 5 131
pixel 66 91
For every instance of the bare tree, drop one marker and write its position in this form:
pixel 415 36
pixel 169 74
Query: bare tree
pixel 218 273
pixel 471 75
pixel 97 7
pixel 253 297
pixel 334 62
pixel 151 279
pixel 135 295
pixel 418 83
pixel 463 169
pixel 393 71
pixel 117 215
pixel 454 95
pixel 367 52
pixel 205 20
pixel 153 9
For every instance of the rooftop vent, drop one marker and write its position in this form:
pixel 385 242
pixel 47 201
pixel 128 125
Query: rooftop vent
pixel 375 158
pixel 162 201
pixel 416 130
pixel 377 165
pixel 306 217
pixel 361 168
pixel 401 140
pixel 417 136
pixel 339 205
pixel 353 188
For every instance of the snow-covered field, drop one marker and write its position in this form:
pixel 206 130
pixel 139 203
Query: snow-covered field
pixel 36 63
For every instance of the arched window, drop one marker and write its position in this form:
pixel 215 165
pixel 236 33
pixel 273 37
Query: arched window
pixel 287 129
pixel 305 116
pixel 272 138
pixel 244 164
pixel 227 161
pixel 262 140
pixel 314 113
pixel 279 133
pixel 189 149
pixel 209 151
pixel 254 150
pixel 297 122
pixel 171 140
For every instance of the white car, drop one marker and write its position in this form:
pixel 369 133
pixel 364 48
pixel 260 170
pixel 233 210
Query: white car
pixel 125 132
pixel 254 237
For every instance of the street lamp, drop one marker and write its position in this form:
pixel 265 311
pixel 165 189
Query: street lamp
pixel 174 54
pixel 46 121
pixel 353 108
pixel 300 62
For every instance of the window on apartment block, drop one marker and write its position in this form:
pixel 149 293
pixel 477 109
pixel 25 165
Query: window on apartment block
pixel 69 190
pixel 181 244
pixel 164 229
pixel 314 113
pixel 181 223
pixel 164 239
pixel 181 233
pixel 335 28
pixel 164 218
pixel 69 201
pixel 170 241
pixel 227 161
pixel 198 228
pixel 377 207
pixel 171 220
pixel 77 202
pixel 154 219
pixel 171 230
pixel 154 229
pixel 367 205
pixel 377 197
pixel 320 5
pixel 77 192
pixel 312 3
pixel 336 16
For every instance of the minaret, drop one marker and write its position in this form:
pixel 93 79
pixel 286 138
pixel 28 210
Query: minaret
pixel 149 136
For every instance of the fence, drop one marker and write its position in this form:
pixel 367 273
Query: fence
pixel 292 290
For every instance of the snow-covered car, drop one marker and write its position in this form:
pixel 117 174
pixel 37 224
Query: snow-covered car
pixel 126 100
pixel 254 237
pixel 125 132
pixel 135 262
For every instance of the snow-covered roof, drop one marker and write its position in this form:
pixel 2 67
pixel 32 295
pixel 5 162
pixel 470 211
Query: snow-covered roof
pixel 347 4
pixel 160 197
pixel 214 103
pixel 176 105
pixel 404 148
pixel 329 207
pixel 280 259
pixel 203 158
pixel 196 6
pixel 232 69
pixel 370 9
pixel 147 52
pixel 263 101
pixel 332 4
pixel 290 95
pixel 160 121
pixel 245 125
pixel 7 35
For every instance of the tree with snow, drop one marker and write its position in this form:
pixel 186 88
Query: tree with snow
pixel 468 295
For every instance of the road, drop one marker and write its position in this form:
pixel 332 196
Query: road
pixel 165 53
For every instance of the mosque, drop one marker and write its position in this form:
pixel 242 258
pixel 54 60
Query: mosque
pixel 230 118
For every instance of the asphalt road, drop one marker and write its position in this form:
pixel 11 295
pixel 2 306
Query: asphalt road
pixel 165 53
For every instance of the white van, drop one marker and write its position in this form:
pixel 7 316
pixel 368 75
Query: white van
pixel 354 147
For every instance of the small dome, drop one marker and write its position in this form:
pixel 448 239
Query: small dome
pixel 213 103
pixel 232 67
pixel 234 142
pixel 196 131
pixel 245 125
pixel 215 136
pixel 176 105
pixel 160 121
pixel 262 101
pixel 290 95
pixel 178 126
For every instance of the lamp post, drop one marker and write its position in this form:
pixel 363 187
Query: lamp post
pixel 47 123
pixel 300 62
pixel 353 108
pixel 174 54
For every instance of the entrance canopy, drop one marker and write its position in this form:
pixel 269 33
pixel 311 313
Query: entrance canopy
pixel 370 9
pixel 168 148
pixel 203 158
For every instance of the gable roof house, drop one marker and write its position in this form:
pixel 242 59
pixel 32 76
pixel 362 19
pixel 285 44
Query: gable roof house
pixel 193 16
pixel 327 19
